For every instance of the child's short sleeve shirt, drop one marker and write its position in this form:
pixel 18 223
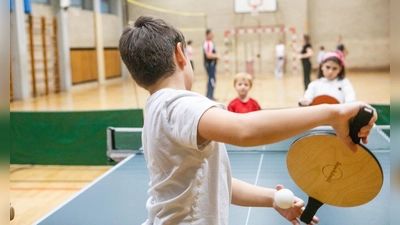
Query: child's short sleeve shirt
pixel 189 183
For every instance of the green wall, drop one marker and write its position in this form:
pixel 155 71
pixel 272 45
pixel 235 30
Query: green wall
pixel 66 138
pixel 383 112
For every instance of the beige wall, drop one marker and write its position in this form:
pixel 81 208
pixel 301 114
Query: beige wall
pixel 81 33
pixel 221 17
pixel 81 29
pixel 42 10
pixel 364 26
pixel 111 30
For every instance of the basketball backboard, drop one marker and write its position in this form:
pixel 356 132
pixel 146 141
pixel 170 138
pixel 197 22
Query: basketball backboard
pixel 245 6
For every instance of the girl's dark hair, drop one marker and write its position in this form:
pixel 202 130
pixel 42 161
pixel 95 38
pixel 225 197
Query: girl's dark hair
pixel 341 74
pixel 306 38
pixel 147 49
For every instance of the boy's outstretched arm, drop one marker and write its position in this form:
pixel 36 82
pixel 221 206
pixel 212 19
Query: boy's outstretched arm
pixel 269 126
pixel 245 194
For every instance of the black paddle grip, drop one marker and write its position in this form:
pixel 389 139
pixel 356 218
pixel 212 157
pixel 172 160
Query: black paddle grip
pixel 311 208
pixel 362 118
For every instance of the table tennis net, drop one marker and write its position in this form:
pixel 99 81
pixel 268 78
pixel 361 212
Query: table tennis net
pixel 123 142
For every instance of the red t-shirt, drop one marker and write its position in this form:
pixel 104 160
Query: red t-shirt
pixel 238 106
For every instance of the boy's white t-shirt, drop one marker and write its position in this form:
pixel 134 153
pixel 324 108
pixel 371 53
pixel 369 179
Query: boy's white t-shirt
pixel 189 184
pixel 342 90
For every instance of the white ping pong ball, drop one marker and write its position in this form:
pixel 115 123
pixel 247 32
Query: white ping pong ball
pixel 284 198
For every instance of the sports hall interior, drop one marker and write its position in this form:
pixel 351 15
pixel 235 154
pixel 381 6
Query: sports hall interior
pixel 66 68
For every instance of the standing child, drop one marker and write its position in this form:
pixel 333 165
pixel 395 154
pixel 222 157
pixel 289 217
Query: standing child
pixel 331 81
pixel 243 103
pixel 184 133
pixel 280 58
pixel 321 54
pixel 190 53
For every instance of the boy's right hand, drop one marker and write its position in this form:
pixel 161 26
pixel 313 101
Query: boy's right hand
pixel 343 115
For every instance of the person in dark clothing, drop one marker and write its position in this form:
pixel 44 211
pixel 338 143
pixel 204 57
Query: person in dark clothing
pixel 210 63
pixel 305 55
pixel 341 47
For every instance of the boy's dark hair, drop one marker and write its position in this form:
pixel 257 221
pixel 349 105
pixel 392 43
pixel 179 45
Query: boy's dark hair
pixel 147 49
pixel 189 42
pixel 208 31
pixel 341 74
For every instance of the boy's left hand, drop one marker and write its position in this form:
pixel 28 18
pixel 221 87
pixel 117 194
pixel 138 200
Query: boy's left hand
pixel 293 214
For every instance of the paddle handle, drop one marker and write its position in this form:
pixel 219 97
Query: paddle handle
pixel 362 118
pixel 311 209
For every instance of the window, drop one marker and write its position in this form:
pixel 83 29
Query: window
pixel 76 3
pixel 46 2
pixel 83 4
pixel 105 6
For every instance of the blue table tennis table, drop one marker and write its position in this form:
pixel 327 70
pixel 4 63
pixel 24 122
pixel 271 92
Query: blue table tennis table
pixel 119 196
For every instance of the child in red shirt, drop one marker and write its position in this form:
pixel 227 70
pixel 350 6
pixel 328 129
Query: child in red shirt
pixel 243 103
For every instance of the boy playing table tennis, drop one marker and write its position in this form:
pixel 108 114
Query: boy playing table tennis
pixel 184 133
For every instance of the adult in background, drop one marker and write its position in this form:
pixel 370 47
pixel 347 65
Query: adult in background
pixel 210 63
pixel 341 47
pixel 305 54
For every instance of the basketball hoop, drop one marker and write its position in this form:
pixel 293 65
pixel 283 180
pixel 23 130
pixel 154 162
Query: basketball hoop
pixel 254 4
pixel 254 10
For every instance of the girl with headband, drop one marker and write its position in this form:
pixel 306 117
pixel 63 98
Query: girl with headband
pixel 331 81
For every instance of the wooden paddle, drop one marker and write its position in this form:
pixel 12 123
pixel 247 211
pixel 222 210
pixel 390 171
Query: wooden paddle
pixel 329 173
pixel 324 99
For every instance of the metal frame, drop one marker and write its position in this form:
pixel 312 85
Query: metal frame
pixel 118 155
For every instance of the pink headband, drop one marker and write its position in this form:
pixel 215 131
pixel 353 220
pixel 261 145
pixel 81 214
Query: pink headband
pixel 338 54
